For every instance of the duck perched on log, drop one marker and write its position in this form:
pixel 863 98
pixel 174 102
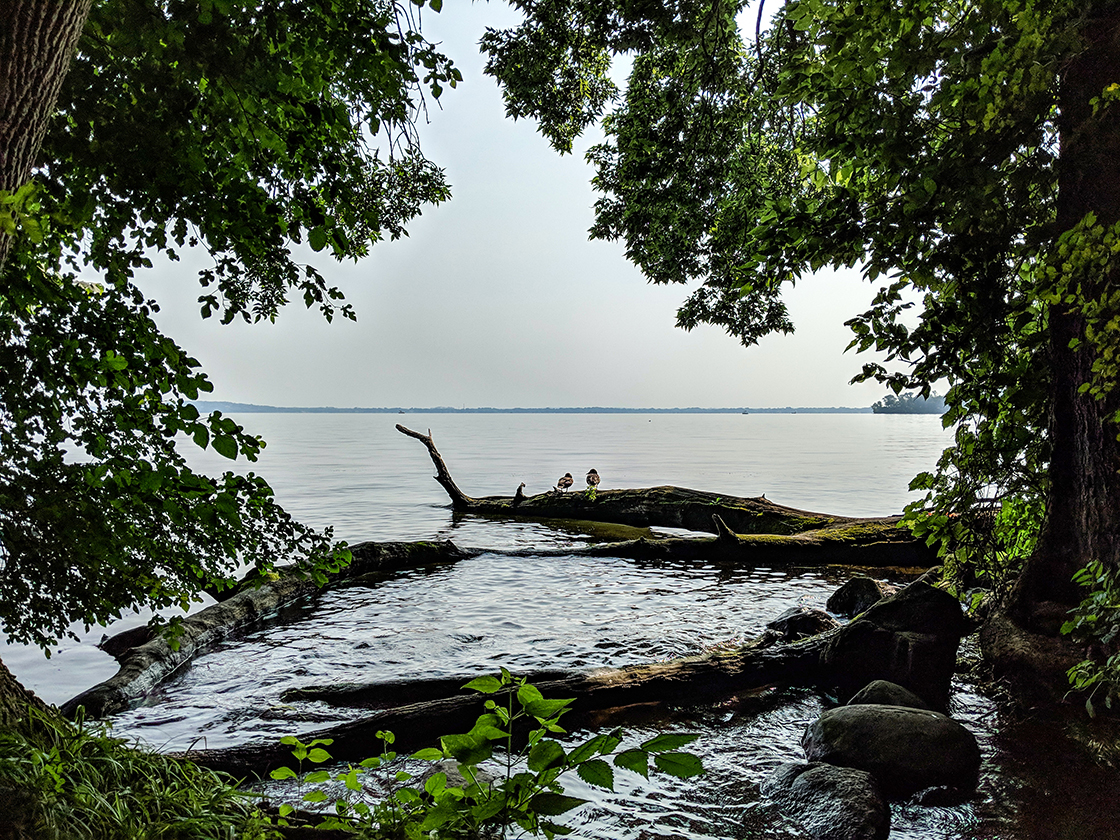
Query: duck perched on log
pixel 592 479
pixel 564 482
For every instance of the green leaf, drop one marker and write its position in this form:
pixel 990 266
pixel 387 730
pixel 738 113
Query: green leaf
pixel 597 772
pixel 283 773
pixel 467 749
pixel 318 755
pixel 666 742
pixel 679 764
pixel 435 783
pixel 635 760
pixel 546 754
pixel 527 694
pixel 315 796
pixel 554 804
pixel 428 754
pixel 317 777
pixel 487 685
pixel 317 238
pixel 545 709
pixel 226 446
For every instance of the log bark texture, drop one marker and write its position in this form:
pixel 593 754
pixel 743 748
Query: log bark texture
pixel 145 666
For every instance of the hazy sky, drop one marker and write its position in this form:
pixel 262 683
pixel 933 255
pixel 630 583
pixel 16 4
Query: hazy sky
pixel 498 298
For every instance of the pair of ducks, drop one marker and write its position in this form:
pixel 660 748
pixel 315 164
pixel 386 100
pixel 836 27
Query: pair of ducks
pixel 565 481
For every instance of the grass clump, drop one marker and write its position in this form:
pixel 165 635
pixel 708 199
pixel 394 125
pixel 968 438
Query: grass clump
pixel 66 781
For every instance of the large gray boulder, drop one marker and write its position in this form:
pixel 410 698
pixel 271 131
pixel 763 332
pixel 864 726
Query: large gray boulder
pixel 857 595
pixel 910 638
pixel 830 803
pixel 905 749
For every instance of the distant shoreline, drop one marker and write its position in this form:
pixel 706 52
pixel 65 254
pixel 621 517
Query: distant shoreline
pixel 211 405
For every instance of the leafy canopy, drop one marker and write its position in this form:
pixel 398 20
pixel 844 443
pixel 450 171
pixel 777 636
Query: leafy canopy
pixel 917 142
pixel 242 127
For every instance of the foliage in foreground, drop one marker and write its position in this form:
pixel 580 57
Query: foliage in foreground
pixel 526 793
pixel 1097 621
pixel 243 128
pixel 63 781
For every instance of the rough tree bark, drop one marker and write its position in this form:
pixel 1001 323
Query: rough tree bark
pixel 37 41
pixel 1083 507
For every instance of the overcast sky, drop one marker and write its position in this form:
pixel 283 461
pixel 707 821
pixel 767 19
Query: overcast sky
pixel 499 299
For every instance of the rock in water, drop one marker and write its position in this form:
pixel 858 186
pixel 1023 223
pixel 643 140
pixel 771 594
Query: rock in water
pixel 910 639
pixel 906 750
pixel 857 595
pixel 830 803
pixel 800 622
pixel 884 693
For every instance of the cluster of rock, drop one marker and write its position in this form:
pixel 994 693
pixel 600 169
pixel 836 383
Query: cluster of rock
pixel 892 663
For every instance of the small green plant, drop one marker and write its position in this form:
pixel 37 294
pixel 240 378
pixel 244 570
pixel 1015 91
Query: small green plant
pixel 527 793
pixel 1096 620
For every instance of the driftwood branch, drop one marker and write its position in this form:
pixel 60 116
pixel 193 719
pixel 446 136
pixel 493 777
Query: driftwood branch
pixel 459 500
pixel 147 661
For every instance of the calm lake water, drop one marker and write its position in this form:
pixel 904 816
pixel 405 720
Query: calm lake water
pixel 356 473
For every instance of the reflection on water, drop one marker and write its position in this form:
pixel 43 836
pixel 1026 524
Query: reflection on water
pixel 465 619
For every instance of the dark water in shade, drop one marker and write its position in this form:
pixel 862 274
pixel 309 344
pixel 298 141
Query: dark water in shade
pixel 357 473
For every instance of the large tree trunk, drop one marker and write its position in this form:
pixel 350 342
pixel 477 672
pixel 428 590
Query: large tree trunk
pixel 1083 508
pixel 37 41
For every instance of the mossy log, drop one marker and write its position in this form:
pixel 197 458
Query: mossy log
pixel 669 507
pixel 597 695
pixel 867 542
pixel 151 660
pixel 749 530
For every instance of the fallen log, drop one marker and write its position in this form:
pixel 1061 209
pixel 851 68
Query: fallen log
pixel 145 665
pixel 748 529
pixel 866 542
pixel 909 638
pixel 669 507
pixel 682 682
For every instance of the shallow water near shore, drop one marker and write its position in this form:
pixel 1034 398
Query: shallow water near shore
pixel 359 475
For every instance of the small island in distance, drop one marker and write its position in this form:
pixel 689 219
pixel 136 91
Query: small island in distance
pixel 246 408
pixel 910 404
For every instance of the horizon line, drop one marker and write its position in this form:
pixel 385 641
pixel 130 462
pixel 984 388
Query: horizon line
pixel 238 406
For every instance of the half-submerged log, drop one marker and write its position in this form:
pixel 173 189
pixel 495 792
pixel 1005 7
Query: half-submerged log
pixel 751 529
pixel 668 507
pixel 143 667
pixel 866 542
pixel 910 639
pixel 683 682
